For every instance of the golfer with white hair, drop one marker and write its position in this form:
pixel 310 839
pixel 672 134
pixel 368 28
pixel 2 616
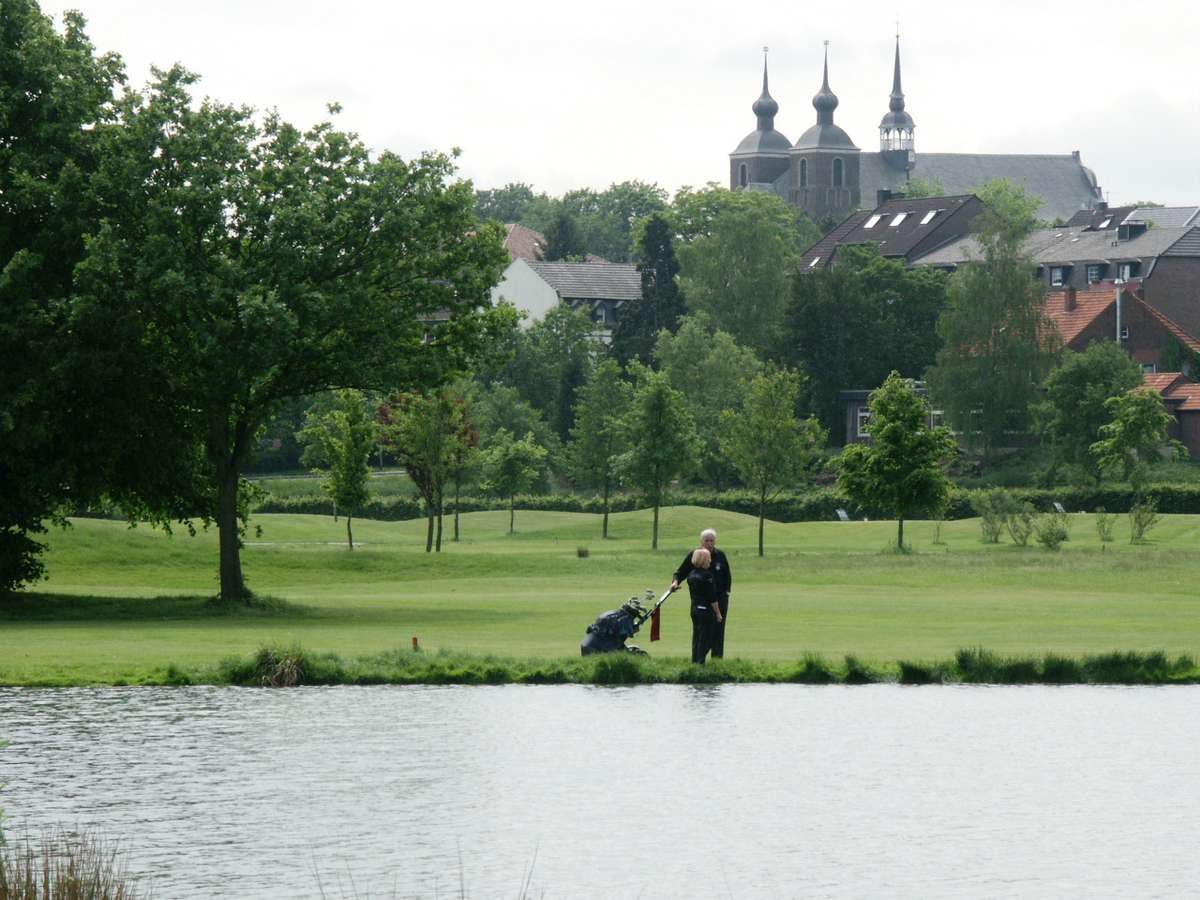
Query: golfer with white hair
pixel 721 576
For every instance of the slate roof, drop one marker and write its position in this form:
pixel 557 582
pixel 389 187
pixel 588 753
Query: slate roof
pixel 899 240
pixel 1188 245
pixel 523 243
pixel 591 281
pixel 1096 218
pixel 1066 246
pixel 1166 216
pixel 1063 184
pixel 821 253
pixel 765 142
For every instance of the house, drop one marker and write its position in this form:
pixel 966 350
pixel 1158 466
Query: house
pixel 902 229
pixel 856 406
pixel 598 288
pixel 827 176
pixel 1182 400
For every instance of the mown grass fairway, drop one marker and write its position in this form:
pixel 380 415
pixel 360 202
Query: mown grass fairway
pixel 124 603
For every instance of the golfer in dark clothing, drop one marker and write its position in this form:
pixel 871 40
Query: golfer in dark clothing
pixel 706 612
pixel 722 577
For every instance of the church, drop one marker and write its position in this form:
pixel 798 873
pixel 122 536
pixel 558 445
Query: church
pixel 828 177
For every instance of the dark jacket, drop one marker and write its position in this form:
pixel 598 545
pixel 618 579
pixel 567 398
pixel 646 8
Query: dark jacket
pixel 719 569
pixel 702 586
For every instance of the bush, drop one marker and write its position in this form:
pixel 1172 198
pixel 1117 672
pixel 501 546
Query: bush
pixel 1142 517
pixel 1051 530
pixel 582 552
pixel 1104 524
pixel 1020 521
pixel 992 507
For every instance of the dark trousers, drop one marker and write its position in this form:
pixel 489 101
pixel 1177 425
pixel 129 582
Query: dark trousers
pixel 718 645
pixel 704 632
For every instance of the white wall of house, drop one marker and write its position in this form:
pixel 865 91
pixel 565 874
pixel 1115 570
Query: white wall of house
pixel 525 289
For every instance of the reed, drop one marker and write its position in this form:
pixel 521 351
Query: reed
pixel 66 866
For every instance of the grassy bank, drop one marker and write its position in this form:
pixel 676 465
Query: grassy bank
pixel 131 605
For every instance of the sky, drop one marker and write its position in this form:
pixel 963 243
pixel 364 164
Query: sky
pixel 564 95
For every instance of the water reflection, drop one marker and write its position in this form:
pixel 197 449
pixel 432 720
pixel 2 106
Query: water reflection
pixel 665 792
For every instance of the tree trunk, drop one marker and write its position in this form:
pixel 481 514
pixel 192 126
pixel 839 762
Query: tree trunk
pixel 438 543
pixel 900 535
pixel 762 511
pixel 349 533
pixel 428 527
pixel 512 512
pixel 654 533
pixel 233 585
pixel 456 489
pixel 604 532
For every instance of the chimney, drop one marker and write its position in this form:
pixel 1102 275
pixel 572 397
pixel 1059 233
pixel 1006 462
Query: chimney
pixel 1069 299
pixel 882 196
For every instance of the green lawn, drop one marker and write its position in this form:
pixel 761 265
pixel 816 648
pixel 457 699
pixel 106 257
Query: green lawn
pixel 122 603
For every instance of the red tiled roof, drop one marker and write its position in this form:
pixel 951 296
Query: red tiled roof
pixel 1161 381
pixel 1088 306
pixel 1190 394
pixel 1180 335
pixel 523 243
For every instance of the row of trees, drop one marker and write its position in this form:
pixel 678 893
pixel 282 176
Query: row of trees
pixel 173 271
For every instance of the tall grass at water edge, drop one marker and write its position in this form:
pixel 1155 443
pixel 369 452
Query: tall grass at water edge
pixel 66 866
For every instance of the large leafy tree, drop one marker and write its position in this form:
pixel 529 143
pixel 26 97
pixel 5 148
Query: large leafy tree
pixel 607 218
pixel 903 468
pixel 339 440
pixel 849 325
pixel 713 373
pixel 661 303
pixel 506 204
pixel 767 442
pixel 998 344
pixel 662 440
pixel 1075 408
pixel 598 437
pixel 1137 436
pixel 263 262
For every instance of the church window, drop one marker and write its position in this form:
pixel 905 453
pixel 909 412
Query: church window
pixel 804 173
pixel 897 219
pixel 742 174
pixel 839 174
pixel 873 221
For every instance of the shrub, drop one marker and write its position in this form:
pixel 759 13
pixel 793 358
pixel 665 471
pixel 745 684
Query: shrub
pixel 1142 517
pixel 1051 530
pixel 582 552
pixel 813 670
pixel 1104 524
pixel 992 507
pixel 1019 521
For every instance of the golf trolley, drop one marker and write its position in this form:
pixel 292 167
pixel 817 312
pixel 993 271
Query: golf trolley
pixel 612 629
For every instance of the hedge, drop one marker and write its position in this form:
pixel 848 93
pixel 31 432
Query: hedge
pixel 816 505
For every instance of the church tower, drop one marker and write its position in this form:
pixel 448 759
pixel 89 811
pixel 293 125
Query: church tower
pixel 825 162
pixel 896 129
pixel 762 156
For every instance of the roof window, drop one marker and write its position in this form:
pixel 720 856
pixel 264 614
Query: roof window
pixel 816 259
pixel 1106 223
pixel 929 216
pixel 872 222
pixel 897 219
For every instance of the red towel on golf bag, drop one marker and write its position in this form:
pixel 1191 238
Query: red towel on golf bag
pixel 656 624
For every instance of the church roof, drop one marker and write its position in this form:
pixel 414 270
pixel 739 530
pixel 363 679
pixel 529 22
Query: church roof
pixel 830 137
pixel 1062 183
pixel 591 281
pixel 763 142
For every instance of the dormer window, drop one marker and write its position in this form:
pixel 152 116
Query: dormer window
pixel 897 219
pixel 1095 272
pixel 1129 270
pixel 1057 274
pixel 873 221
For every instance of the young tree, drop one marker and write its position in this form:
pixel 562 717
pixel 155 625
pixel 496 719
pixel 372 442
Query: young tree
pixel 851 324
pixel 464 449
pixel 1137 435
pixel 661 303
pixel 511 467
pixel 902 469
pixel 998 342
pixel 427 433
pixel 564 240
pixel 768 444
pixel 1076 393
pixel 260 262
pixel 713 373
pixel 598 437
pixel 340 441
pixel 662 440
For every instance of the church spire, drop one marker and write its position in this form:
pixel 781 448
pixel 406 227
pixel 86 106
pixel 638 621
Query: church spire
pixel 896 128
pixel 825 101
pixel 896 103
pixel 765 106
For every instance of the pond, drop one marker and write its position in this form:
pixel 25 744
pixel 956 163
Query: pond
pixel 652 792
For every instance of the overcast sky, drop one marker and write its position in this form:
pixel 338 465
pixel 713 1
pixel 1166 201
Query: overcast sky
pixel 562 94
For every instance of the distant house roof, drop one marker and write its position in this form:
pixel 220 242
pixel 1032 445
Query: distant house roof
pixel 1188 245
pixel 1066 246
pixel 1061 182
pixel 524 243
pixel 1090 305
pixel 591 281
pixel 1165 216
pixel 899 227
pixel 1178 393
pixel 1162 381
pixel 1109 218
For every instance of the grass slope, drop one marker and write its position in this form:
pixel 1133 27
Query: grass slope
pixel 124 604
